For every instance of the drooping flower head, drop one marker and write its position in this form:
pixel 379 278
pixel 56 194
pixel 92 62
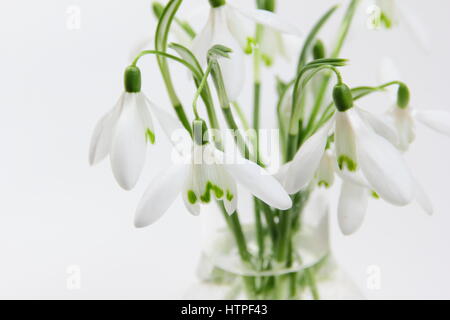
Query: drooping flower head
pixel 209 174
pixel 225 27
pixel 124 132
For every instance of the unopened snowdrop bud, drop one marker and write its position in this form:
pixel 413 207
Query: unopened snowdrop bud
pixel 132 79
pixel 403 96
pixel 200 132
pixel 217 3
pixel 342 97
pixel 319 50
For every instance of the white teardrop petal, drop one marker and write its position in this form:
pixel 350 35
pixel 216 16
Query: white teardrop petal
pixel 383 166
pixel 258 182
pixel 203 41
pixel 345 143
pixel 129 145
pixel 103 133
pixel 352 207
pixel 269 19
pixel 160 195
pixel 438 120
pixel 422 198
pixel 232 68
pixel 236 27
pixel 305 163
pixel 380 126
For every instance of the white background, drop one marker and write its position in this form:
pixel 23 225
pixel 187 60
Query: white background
pixel 56 211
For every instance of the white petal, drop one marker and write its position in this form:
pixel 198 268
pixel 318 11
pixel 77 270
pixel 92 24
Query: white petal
pixel 381 127
pixel 422 198
pixel 352 207
pixel 269 19
pixel 228 185
pixel 193 208
pixel 345 142
pixel 232 68
pixel 383 166
pixel 435 119
pixel 316 215
pixel 325 172
pixel 355 177
pixel 272 44
pixel 129 144
pixel 169 123
pixel 103 133
pixel 405 126
pixel 203 41
pixel 146 117
pixel 158 197
pixel 236 27
pixel 307 160
pixel 258 182
pixel 282 173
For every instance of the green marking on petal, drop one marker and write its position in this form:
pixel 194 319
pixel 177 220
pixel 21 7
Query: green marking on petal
pixel 150 136
pixel 210 187
pixel 249 47
pixel 348 162
pixel 324 183
pixel 375 195
pixel 229 195
pixel 268 61
pixel 386 21
pixel 218 192
pixel 192 198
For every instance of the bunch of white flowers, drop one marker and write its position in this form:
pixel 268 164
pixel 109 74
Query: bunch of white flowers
pixel 323 133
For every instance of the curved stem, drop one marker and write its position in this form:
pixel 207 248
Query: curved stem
pixel 200 88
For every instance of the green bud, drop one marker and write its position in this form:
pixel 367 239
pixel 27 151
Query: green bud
pixel 158 9
pixel 403 96
pixel 132 79
pixel 217 3
pixel 318 50
pixel 342 97
pixel 200 132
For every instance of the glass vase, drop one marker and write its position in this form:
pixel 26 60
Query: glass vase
pixel 247 256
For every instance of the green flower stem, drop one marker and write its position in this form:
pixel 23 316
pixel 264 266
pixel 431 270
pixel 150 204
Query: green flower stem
pixel 201 86
pixel 226 110
pixel 345 27
pixel 309 42
pixel 256 126
pixel 241 115
pixel 294 126
pixel 309 274
pixel 342 36
pixel 358 93
pixel 270 220
pixel 236 228
pixel 283 231
pixel 259 227
pixel 169 85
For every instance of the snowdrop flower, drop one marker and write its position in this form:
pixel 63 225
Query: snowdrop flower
pixel 124 132
pixel 389 13
pixel 404 118
pixel 224 27
pixel 358 146
pixel 209 174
